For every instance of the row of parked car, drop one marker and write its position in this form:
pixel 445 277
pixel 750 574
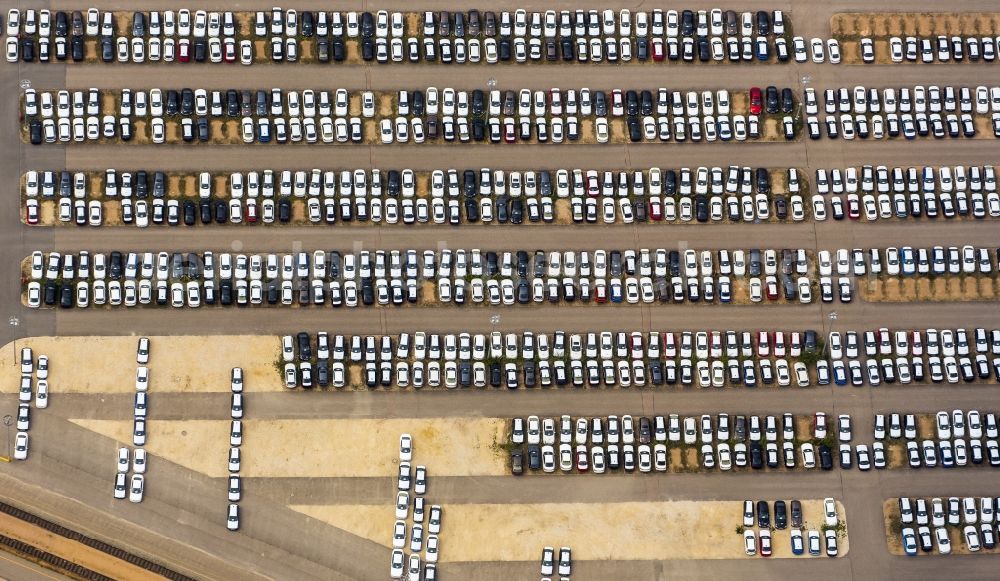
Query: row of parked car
pixel 759 542
pixel 39 371
pixel 980 100
pixel 491 287
pixel 520 36
pixel 428 542
pixel 382 24
pixel 957 440
pixel 892 126
pixel 930 524
pixel 449 183
pixel 943 48
pixel 137 459
pixel 901 193
pixel 878 356
pixel 496 278
pixel 694 115
pixel 704 358
pixel 740 441
pixel 236 413
pixel 911 112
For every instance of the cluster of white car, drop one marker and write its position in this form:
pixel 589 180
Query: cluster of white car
pixel 235 486
pixel 943 48
pixel 40 372
pixel 911 112
pixel 72 116
pixel 415 482
pixel 135 487
pixel 816 50
pixel 958 438
pixel 884 192
pixel 927 524
pixel 877 356
pixel 549 563
pixel 906 261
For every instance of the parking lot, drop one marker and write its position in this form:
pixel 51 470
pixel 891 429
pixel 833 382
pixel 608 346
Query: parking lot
pixel 319 464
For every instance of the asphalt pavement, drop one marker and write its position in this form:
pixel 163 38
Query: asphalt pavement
pixel 68 478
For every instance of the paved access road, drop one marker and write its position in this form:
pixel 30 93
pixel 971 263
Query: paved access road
pixel 180 522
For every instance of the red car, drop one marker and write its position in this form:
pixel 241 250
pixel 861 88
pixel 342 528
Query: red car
pixel 184 50
pixel 755 101
pixel 509 134
pixel 229 50
pixel 251 211
pixel 771 288
pixel 765 543
pixel 31 211
pixel 853 207
pixel 657 49
pixel 655 209
pixel 582 461
pixel 600 292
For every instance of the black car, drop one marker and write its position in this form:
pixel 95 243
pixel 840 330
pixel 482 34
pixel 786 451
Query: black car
pixel 796 513
pixel 107 50
pixel 780 207
pixel 763 23
pixel 190 210
pixel 534 457
pixel 200 51
pixel 771 99
pixel 634 132
pixel 780 515
pixel 701 208
pixel 516 462
pixel 201 124
pixel 825 457
pixel 51 292
pixel 76 48
pixel 787 100
pixel 66 296
pixel 35 130
pixel 756 456
pixel 763 514
pixel 27 50
pixel 221 212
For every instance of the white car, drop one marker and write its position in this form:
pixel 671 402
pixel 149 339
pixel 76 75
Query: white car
pixel 136 489
pixel 404 476
pixel 235 488
pixel 142 378
pixel 123 459
pixel 432 549
pixel 233 518
pixel 402 505
pixel 11 50
pixel 830 512
pixel 42 394
pixel 396 564
pixel 399 534
pixel 405 448
pixel 121 485
pixel 138 461
pixel 142 351
pixel 21 446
